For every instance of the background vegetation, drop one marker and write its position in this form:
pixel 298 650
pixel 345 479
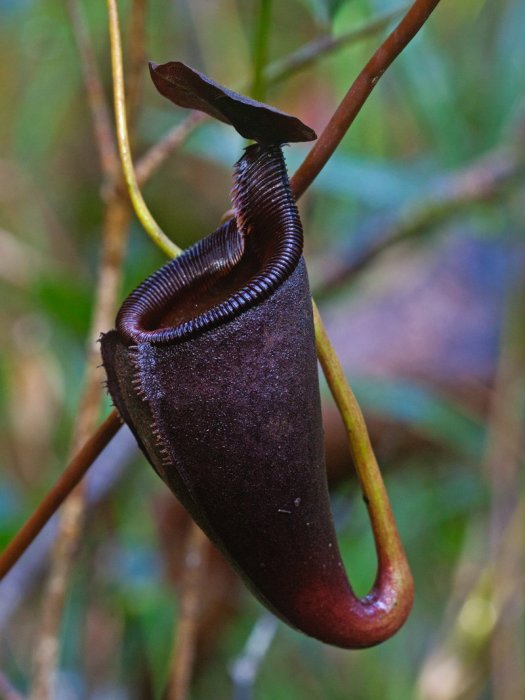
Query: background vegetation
pixel 414 240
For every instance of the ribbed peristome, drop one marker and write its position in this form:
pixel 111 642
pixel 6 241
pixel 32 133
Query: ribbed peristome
pixel 237 266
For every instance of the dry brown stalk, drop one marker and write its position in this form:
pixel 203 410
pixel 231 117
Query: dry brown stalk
pixel 186 632
pixel 114 237
pixel 46 649
pixel 505 442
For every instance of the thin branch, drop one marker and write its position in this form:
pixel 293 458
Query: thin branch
pixel 151 161
pixel 139 205
pixel 69 478
pixel 309 53
pixel 358 93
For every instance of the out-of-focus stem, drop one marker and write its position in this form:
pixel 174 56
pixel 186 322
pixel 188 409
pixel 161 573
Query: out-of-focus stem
pixel 99 109
pixel 47 644
pixel 486 179
pixel 116 221
pixel 506 440
pixel 307 55
pixel 187 624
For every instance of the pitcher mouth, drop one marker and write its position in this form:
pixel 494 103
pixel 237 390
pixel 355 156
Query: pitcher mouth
pixel 237 266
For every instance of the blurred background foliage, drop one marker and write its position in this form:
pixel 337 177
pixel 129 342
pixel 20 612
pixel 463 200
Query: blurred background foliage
pixel 429 329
